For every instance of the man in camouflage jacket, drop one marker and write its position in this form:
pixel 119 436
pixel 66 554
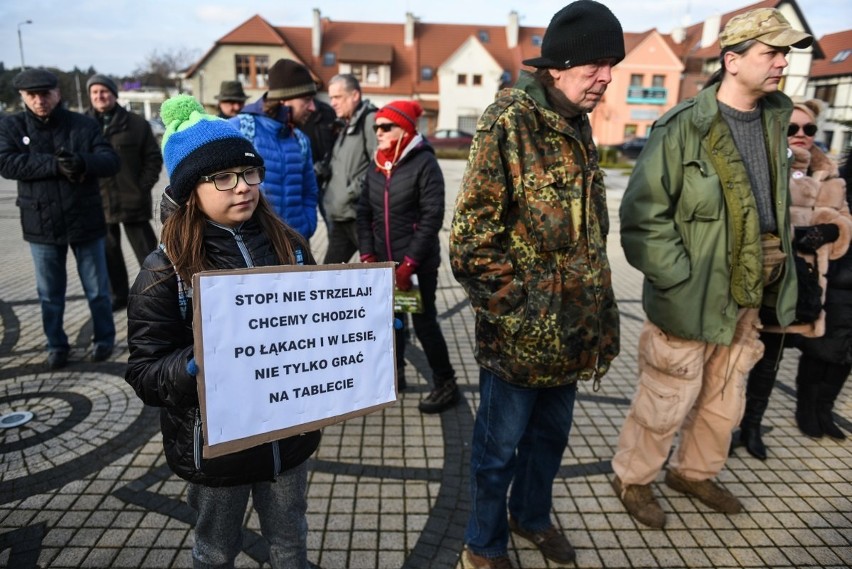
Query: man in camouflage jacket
pixel 528 244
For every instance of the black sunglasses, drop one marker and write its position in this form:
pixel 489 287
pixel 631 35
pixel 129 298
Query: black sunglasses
pixel 810 129
pixel 386 127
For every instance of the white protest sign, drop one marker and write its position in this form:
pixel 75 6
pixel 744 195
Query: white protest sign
pixel 290 349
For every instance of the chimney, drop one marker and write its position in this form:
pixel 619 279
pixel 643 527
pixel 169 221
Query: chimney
pixel 710 32
pixel 316 34
pixel 410 20
pixel 512 30
pixel 678 34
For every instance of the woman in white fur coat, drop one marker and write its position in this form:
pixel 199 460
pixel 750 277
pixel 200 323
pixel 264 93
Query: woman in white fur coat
pixel 822 225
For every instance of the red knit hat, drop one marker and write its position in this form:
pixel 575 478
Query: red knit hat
pixel 402 113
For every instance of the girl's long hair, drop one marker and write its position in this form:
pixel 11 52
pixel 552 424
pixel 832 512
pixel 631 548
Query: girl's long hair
pixel 183 237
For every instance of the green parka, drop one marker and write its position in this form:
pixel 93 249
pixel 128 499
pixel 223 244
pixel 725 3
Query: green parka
pixel 528 244
pixel 689 221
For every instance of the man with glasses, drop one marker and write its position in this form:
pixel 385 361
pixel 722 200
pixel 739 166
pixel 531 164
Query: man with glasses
pixel 271 123
pixel 705 217
pixel 57 157
pixel 528 244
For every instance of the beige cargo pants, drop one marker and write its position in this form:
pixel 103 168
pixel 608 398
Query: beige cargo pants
pixel 688 386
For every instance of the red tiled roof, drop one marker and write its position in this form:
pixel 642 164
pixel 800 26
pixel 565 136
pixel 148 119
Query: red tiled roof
pixel 434 44
pixel 832 45
pixel 254 31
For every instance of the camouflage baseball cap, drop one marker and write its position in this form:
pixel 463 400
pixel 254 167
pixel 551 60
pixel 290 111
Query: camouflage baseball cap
pixel 765 25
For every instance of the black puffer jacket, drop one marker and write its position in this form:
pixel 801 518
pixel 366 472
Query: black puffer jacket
pixel 55 210
pixel 401 216
pixel 127 195
pixel 161 343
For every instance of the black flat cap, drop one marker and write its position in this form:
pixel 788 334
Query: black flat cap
pixel 35 80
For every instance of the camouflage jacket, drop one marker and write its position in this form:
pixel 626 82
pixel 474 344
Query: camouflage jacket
pixel 528 244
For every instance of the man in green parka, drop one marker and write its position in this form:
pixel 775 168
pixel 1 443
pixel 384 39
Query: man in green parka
pixel 705 218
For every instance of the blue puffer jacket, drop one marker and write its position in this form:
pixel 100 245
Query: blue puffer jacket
pixel 290 184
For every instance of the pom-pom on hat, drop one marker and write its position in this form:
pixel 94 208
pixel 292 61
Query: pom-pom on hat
pixel 581 32
pixel 99 79
pixel 402 113
pixel 196 144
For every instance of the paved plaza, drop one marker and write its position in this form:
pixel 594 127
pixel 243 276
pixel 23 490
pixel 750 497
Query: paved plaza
pixel 85 482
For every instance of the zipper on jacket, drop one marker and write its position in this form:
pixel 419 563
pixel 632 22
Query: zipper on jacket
pixel 243 249
pixel 238 238
pixel 387 219
pixel 276 458
pixel 196 440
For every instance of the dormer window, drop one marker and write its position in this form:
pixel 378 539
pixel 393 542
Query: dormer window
pixel 329 59
pixel 536 40
pixel 483 36
pixel 842 55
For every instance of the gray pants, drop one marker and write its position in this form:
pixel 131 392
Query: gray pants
pixel 281 506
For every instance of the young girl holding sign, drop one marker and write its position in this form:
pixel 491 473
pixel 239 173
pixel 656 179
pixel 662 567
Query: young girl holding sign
pixel 218 220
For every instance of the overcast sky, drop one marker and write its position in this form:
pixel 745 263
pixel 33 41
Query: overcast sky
pixel 116 36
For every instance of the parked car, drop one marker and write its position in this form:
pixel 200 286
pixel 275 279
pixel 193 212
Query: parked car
pixel 450 138
pixel 631 148
pixel 158 128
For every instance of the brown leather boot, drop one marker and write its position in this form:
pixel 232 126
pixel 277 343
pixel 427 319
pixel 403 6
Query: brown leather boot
pixel 640 503
pixel 708 492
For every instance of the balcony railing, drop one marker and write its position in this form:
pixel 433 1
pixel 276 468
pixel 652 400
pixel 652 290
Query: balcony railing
pixel 647 95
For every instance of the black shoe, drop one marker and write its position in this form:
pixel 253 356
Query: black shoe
pixel 119 304
pixel 441 398
pixel 808 423
pixel 401 384
pixel 828 426
pixel 57 360
pixel 751 439
pixel 101 352
pixel 552 544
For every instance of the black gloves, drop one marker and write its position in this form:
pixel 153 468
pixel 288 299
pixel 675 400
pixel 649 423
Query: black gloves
pixel 809 239
pixel 70 165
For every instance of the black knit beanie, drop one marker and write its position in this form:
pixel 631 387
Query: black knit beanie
pixel 289 79
pixel 580 33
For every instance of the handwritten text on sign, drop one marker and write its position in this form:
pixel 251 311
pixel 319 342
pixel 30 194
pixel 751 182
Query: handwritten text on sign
pixel 283 349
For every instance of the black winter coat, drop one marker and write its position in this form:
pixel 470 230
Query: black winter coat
pixel 835 345
pixel 161 343
pixel 54 210
pixel 401 216
pixel 127 195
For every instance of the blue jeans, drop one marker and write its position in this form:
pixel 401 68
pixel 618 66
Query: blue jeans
pixel 519 437
pixel 281 507
pixel 52 282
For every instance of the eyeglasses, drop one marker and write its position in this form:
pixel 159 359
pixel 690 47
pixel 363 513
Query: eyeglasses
pixel 224 181
pixel 385 127
pixel 810 129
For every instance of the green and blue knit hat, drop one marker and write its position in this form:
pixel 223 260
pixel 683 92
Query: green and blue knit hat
pixel 196 144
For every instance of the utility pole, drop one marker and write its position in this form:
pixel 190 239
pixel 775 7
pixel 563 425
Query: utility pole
pixel 21 42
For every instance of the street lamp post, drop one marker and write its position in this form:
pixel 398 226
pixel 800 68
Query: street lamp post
pixel 21 43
